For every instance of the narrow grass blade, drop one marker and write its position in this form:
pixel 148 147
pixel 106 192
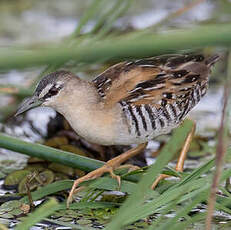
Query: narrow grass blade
pixel 49 189
pixel 90 12
pixel 107 15
pixel 108 183
pixel 151 207
pixel 120 8
pixel 182 225
pixel 183 211
pixel 198 172
pixel 222 144
pixel 134 201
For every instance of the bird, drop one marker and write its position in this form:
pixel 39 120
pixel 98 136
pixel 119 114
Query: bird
pixel 131 102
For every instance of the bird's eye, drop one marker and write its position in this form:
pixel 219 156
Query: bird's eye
pixel 52 92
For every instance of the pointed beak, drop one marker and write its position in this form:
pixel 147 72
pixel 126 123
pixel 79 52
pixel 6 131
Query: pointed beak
pixel 28 103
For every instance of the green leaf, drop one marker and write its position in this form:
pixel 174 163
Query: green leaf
pixel 49 189
pixel 108 183
pixel 126 213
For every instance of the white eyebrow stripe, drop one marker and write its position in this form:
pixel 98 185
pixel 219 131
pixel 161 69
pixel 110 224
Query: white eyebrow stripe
pixel 45 90
pixel 58 84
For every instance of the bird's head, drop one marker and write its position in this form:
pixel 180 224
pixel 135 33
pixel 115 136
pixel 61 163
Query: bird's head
pixel 48 91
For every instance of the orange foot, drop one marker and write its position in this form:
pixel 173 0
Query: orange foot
pixel 109 167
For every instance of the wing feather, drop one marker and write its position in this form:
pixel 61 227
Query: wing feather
pixel 154 81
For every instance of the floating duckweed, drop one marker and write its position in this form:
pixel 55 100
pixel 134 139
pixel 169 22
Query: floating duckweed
pixel 10 209
pixel 84 222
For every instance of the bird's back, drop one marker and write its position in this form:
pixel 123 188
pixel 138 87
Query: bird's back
pixel 155 94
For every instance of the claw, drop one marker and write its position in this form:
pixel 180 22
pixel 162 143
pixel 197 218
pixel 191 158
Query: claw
pixel 114 176
pixel 90 176
pixel 70 197
pixel 158 179
pixel 69 200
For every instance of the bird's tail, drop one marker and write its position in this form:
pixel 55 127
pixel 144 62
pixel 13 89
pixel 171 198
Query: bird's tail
pixel 212 60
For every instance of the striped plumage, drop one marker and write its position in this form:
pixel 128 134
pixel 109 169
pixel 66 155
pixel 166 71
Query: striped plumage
pixel 155 94
pixel 129 103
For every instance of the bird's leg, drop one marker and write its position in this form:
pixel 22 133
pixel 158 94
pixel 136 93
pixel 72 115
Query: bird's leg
pixel 181 159
pixel 109 167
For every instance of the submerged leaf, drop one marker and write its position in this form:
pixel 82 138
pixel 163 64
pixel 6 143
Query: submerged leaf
pixel 15 178
pixel 44 178
pixel 43 211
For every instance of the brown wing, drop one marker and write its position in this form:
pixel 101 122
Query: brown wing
pixel 155 81
pixel 115 83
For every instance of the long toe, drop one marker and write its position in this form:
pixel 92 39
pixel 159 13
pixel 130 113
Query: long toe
pixel 90 176
pixel 157 180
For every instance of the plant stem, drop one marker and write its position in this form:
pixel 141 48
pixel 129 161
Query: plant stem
pixel 48 153
pixel 221 150
pixel 118 48
pixel 55 155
